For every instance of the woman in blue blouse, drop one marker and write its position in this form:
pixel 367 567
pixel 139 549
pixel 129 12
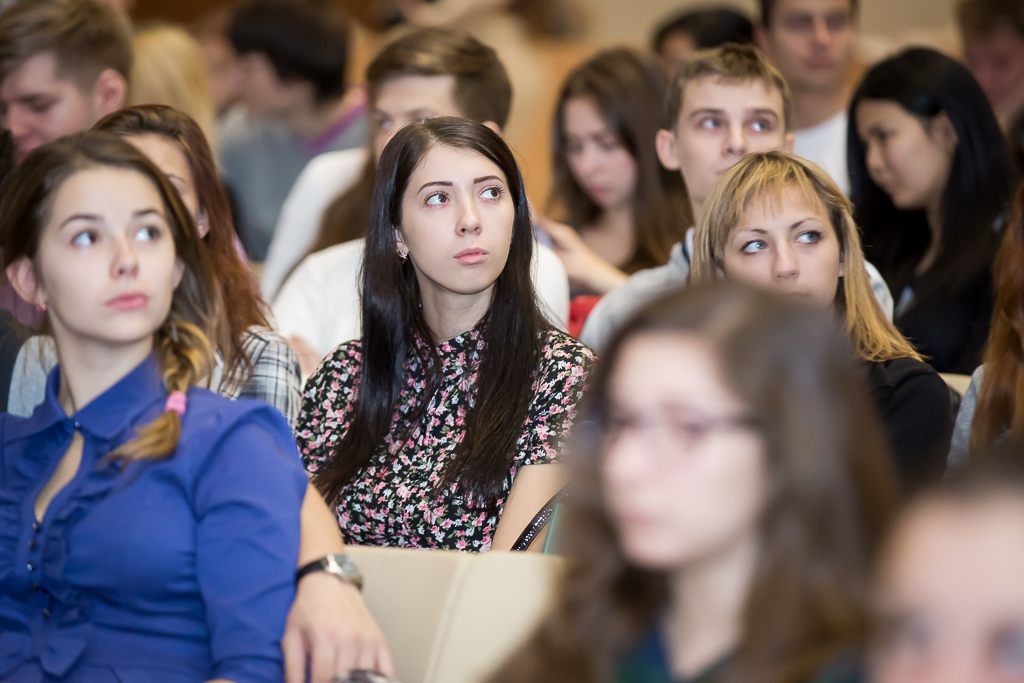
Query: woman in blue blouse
pixel 149 529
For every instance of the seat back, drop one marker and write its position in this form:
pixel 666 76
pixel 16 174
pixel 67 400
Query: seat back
pixel 454 617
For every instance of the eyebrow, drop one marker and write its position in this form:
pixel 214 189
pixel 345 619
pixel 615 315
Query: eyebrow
pixel 709 110
pixel 97 218
pixel 448 183
pixel 762 231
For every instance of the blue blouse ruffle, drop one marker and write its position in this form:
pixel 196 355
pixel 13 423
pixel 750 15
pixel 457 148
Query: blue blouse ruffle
pixel 172 571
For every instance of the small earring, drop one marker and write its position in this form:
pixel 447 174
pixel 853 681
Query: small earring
pixel 41 308
pixel 404 255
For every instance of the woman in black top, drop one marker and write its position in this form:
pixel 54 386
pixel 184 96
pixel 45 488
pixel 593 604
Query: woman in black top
pixel 779 222
pixel 930 179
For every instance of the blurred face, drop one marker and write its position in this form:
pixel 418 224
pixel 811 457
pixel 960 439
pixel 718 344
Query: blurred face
pixel 170 159
pixel 38 106
pixel 225 73
pixel 106 266
pixel 676 48
pixel 263 92
pixel 719 123
pixel 457 218
pixel 908 157
pixel 411 99
pixel 997 61
pixel 601 165
pixel 788 246
pixel 684 478
pixel 811 42
pixel 949 597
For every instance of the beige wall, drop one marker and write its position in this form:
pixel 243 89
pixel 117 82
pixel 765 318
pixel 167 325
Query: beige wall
pixel 630 21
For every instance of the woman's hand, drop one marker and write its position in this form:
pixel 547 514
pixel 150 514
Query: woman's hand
pixel 583 266
pixel 330 627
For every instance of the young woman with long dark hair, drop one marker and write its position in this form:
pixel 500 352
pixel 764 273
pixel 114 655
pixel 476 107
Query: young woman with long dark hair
pixel 931 181
pixel 439 426
pixel 253 361
pixel 150 528
pixel 625 209
pixel 728 490
pixel 777 221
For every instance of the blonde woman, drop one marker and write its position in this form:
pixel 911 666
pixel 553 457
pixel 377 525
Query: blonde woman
pixel 170 68
pixel 779 222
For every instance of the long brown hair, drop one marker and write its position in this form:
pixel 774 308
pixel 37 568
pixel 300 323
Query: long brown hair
pixel 243 304
pixel 831 492
pixel 764 176
pixel 628 89
pixel 181 343
pixel 482 93
pixel 1000 406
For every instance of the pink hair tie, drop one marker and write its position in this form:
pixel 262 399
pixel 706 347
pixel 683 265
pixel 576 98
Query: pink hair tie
pixel 176 402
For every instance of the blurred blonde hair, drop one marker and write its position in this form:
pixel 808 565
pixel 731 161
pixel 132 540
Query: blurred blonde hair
pixel 170 69
pixel 764 176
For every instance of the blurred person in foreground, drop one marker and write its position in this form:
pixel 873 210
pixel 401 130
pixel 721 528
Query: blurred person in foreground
pixel 948 601
pixel 729 486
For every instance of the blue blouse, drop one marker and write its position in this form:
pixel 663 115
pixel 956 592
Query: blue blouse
pixel 159 572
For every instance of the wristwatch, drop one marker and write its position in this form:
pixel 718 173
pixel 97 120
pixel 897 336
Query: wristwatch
pixel 341 566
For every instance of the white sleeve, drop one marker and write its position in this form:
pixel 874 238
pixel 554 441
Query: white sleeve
pixel 551 284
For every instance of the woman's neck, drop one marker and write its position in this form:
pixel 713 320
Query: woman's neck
pixel 705 620
pixel 449 314
pixel 934 216
pixel 89 368
pixel 613 236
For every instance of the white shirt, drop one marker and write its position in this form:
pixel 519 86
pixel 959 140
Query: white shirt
pixel 325 177
pixel 320 301
pixel 825 145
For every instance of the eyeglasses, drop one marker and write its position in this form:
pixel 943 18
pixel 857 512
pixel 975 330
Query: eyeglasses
pixel 675 434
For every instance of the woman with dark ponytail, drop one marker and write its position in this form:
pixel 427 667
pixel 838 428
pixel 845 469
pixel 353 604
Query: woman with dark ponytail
pixel 440 427
pixel 149 528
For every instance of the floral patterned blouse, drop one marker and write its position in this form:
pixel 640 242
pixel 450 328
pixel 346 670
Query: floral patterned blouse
pixel 395 502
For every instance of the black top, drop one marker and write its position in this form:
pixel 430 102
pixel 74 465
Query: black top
pixel 950 328
pixel 914 404
pixel 12 335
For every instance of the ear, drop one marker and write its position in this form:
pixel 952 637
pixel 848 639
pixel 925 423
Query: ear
pixel 789 143
pixel 179 272
pixel 493 126
pixel 110 93
pixel 203 224
pixel 842 264
pixel 761 38
pixel 944 132
pixel 22 276
pixel 400 241
pixel 665 144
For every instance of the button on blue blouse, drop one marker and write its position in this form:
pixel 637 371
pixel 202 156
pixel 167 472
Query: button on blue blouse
pixel 161 571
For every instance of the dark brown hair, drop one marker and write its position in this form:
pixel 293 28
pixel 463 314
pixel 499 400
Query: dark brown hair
pixel 243 304
pixel 628 89
pixel 767 8
pixel 181 343
pixel 831 492
pixel 483 92
pixel 978 18
pixel 87 36
pixel 394 331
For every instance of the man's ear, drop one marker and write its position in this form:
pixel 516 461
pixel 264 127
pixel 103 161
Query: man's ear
pixel 493 126
pixel 789 142
pixel 109 93
pixel 22 276
pixel 762 39
pixel 665 144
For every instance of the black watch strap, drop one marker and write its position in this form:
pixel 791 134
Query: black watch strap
pixel 341 566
